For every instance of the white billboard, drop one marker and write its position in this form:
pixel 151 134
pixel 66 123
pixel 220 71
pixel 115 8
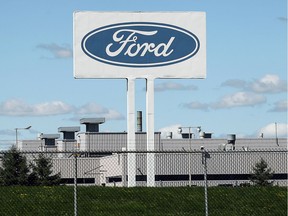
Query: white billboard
pixel 139 44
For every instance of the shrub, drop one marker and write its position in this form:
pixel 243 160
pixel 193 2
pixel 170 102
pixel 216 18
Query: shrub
pixel 261 174
pixel 42 172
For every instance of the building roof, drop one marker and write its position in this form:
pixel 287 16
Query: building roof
pixel 69 129
pixel 92 120
pixel 50 136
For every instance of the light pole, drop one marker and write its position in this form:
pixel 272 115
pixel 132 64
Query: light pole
pixel 16 129
pixel 190 148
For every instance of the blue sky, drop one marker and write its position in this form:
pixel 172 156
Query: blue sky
pixel 245 91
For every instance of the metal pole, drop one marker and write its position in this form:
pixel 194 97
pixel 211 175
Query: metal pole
pixel 131 137
pixel 189 167
pixel 89 144
pixel 150 132
pixel 16 129
pixel 190 151
pixel 204 162
pixel 276 135
pixel 75 186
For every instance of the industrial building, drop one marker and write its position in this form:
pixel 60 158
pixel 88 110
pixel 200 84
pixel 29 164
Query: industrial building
pixel 93 140
pixel 103 159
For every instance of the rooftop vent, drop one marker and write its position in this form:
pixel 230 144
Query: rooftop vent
pixel 92 124
pixel 231 138
pixel 49 138
pixel 68 132
pixel 205 135
pixel 187 135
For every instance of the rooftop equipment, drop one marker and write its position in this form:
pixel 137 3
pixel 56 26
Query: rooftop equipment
pixel 68 132
pixel 205 135
pixel 230 145
pixel 49 139
pixel 92 124
pixel 231 139
pixel 186 135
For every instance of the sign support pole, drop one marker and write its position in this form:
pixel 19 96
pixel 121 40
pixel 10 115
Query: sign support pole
pixel 131 140
pixel 150 132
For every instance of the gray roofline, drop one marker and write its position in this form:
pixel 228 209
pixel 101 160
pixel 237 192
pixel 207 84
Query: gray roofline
pixel 92 120
pixel 50 136
pixel 69 129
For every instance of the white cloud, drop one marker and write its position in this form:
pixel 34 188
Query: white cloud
pixel 251 94
pixel 196 105
pixel 15 107
pixel 115 115
pixel 270 83
pixel 270 130
pixel 166 86
pixel 57 51
pixel 235 83
pixel 239 99
pixel 94 109
pixel 52 108
pixel 172 128
pixel 280 106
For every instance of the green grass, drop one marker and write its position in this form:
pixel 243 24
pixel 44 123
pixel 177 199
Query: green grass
pixel 223 201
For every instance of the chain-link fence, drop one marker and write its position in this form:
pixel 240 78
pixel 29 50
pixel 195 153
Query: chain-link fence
pixel 144 183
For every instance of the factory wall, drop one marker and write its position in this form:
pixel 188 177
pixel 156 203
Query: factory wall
pixel 172 169
pixel 88 170
pixel 113 141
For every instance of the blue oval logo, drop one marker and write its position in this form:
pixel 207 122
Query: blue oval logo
pixel 140 44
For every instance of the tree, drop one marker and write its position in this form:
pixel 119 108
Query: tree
pixel 42 172
pixel 261 174
pixel 14 169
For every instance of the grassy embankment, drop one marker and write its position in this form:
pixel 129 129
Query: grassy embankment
pixel 143 201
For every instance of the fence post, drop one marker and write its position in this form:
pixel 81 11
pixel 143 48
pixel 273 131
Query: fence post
pixel 75 185
pixel 205 155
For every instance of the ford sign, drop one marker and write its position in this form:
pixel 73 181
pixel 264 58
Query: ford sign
pixel 149 45
pixel 140 44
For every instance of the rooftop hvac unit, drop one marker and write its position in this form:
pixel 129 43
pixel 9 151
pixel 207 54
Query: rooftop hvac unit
pixel 205 135
pixel 49 139
pixel 92 124
pixel 69 132
pixel 231 138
